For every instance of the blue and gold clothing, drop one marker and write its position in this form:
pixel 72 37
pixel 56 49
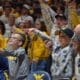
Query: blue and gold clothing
pixel 62 62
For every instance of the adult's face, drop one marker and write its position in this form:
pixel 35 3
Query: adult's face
pixel 15 40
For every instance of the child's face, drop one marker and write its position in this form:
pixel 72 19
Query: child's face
pixel 63 39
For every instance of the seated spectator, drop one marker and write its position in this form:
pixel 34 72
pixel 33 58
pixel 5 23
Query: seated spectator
pixel 18 65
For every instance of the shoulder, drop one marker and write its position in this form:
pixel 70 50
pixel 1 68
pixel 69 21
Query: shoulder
pixel 66 50
pixel 20 51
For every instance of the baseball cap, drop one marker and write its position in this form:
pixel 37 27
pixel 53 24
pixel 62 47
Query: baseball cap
pixel 61 16
pixel 67 32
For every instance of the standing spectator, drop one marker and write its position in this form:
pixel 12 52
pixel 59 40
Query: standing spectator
pixel 38 52
pixel 61 58
pixel 5 16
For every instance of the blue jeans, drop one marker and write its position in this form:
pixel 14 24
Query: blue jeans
pixel 38 66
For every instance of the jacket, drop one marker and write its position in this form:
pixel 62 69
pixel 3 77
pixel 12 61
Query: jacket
pixel 37 49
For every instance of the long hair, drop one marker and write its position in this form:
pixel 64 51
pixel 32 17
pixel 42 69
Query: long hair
pixel 43 26
pixel 2 27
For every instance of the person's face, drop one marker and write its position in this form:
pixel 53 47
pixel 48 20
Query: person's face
pixel 63 39
pixel 37 24
pixel 24 25
pixel 24 11
pixel 11 19
pixel 59 22
pixel 7 11
pixel 15 40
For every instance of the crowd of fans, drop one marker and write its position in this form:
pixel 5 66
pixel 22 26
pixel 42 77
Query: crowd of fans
pixel 39 40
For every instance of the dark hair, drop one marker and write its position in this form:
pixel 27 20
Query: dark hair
pixel 2 27
pixel 43 26
pixel 61 16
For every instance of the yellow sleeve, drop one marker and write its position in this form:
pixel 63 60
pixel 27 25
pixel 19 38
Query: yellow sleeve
pixel 74 18
pixel 3 41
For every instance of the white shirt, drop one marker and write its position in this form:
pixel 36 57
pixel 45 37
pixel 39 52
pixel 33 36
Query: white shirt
pixel 77 66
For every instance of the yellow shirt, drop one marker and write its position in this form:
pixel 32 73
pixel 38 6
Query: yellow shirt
pixel 37 49
pixel 74 18
pixel 3 41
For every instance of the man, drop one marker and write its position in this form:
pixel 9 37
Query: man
pixel 7 10
pixel 61 68
pixel 24 14
pixel 18 60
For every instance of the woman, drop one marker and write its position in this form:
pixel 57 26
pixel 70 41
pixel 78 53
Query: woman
pixel 38 53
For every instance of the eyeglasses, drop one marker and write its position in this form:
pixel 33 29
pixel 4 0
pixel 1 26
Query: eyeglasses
pixel 15 38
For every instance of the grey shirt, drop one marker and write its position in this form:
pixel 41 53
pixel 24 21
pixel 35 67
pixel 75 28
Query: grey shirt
pixel 18 64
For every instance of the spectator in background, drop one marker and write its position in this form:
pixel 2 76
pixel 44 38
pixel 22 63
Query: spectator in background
pixel 17 9
pixel 1 10
pixel 76 48
pixel 3 60
pixel 24 14
pixel 73 15
pixel 6 12
pixel 9 26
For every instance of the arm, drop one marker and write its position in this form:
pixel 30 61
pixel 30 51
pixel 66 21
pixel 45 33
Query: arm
pixel 6 53
pixel 14 53
pixel 47 17
pixel 40 33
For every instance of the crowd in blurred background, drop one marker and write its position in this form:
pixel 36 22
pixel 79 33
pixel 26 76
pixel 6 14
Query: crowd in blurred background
pixel 39 40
